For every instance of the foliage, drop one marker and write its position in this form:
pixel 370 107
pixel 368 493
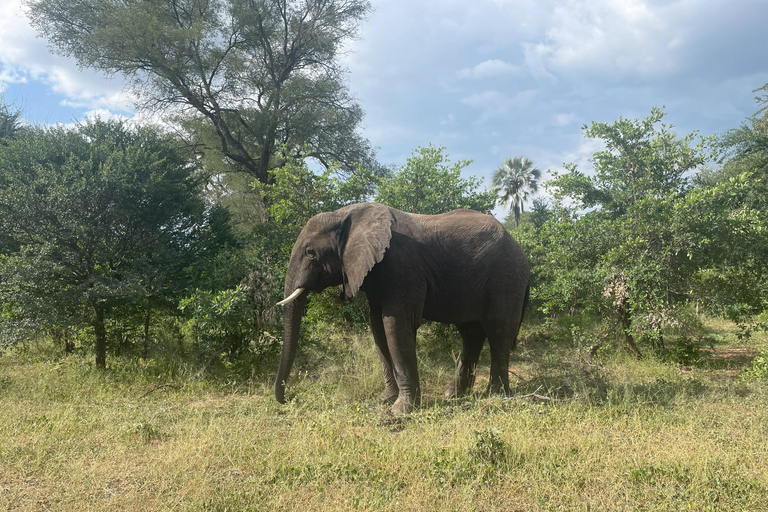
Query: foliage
pixel 241 76
pixel 331 309
pixel 728 235
pixel 223 322
pixel 298 193
pixel 99 218
pixel 634 232
pixel 642 159
pixel 758 371
pixel 513 181
pixel 735 267
pixel 684 351
pixel 489 447
pixel 11 126
pixel 427 183
pixel 651 230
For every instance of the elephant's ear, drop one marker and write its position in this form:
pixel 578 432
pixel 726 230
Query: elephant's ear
pixel 366 232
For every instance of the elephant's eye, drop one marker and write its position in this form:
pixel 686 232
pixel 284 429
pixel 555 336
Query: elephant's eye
pixel 311 253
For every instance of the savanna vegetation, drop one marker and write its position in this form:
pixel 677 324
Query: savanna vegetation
pixel 140 267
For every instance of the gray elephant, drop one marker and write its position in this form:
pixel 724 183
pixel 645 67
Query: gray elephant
pixel 460 267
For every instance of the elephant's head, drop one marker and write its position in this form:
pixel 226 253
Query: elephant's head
pixel 334 248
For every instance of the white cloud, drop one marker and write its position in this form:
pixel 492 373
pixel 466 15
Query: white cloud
pixel 536 56
pixel 490 68
pixel 581 155
pixel 104 114
pixel 450 119
pixel 495 100
pixel 495 104
pixel 565 119
pixel 613 36
pixel 25 58
pixel 137 119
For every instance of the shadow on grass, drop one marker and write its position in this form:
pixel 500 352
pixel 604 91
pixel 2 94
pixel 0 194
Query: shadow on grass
pixel 662 393
pixel 577 381
pixel 728 358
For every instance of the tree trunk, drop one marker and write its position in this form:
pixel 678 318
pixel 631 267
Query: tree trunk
pixel 145 350
pixel 626 323
pixel 268 144
pixel 99 336
pixel 60 336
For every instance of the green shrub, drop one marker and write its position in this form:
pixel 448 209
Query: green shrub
pixel 684 351
pixel 219 321
pixel 489 447
pixel 758 371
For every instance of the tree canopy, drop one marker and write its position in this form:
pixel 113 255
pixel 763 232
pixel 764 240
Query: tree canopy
pixel 651 228
pixel 243 77
pixel 514 181
pixel 97 218
pixel 428 183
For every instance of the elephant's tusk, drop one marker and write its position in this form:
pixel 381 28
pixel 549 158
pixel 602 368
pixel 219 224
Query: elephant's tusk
pixel 291 297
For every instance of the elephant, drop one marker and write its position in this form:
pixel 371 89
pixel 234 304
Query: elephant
pixel 460 267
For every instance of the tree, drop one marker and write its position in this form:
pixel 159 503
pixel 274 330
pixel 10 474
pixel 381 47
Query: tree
pixel 632 231
pixel 99 218
pixel 538 215
pixel 513 181
pixel 734 277
pixel 243 77
pixel 11 125
pixel 429 184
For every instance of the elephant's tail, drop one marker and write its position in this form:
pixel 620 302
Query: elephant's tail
pixel 525 302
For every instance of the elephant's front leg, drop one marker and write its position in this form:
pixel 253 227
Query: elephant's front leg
pixel 400 331
pixel 391 391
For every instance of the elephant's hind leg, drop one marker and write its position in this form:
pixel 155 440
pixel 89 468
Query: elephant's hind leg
pixel 501 339
pixel 473 337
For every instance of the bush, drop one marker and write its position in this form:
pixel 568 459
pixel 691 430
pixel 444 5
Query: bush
pixel 219 321
pixel 759 369
pixel 330 308
pixel 684 351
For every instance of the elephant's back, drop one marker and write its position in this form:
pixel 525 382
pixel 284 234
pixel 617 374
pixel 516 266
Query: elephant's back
pixel 472 261
pixel 471 234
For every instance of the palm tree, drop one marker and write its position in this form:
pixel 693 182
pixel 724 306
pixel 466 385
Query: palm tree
pixel 514 181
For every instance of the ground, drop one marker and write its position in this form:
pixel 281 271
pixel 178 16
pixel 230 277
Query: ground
pixel 620 434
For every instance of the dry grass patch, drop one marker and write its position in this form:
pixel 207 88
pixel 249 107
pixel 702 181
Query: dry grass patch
pixel 626 435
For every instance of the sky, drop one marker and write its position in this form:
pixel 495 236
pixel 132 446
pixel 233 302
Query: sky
pixel 486 79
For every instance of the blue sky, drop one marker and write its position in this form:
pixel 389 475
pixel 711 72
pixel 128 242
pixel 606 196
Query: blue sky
pixel 487 79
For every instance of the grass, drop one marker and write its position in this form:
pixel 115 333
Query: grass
pixel 624 435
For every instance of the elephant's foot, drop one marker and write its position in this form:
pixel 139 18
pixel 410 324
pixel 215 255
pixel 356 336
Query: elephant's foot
pixel 389 395
pixel 459 388
pixel 498 388
pixel 404 406
pixel 452 391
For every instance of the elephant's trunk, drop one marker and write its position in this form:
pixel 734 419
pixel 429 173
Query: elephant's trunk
pixel 292 313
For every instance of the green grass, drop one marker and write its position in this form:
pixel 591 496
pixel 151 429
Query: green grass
pixel 623 435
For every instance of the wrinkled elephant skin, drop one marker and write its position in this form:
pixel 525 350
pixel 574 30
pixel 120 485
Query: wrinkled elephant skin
pixel 460 267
